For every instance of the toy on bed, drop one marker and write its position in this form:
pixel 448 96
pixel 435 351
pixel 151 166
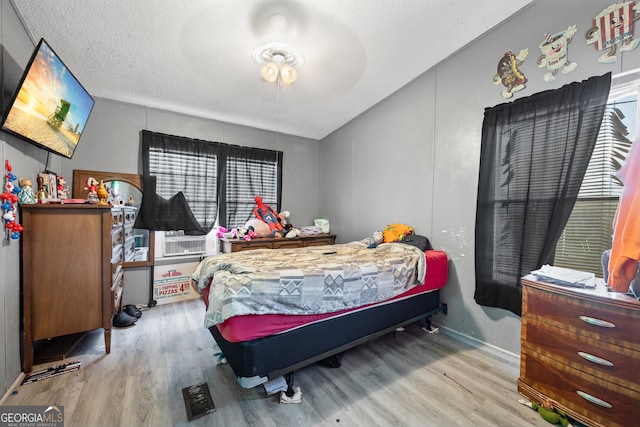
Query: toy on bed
pixel 267 214
pixel 374 240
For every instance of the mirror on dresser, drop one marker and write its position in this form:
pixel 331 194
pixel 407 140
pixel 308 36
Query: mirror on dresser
pixel 123 189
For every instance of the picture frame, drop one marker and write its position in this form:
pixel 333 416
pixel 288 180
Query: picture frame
pixel 50 180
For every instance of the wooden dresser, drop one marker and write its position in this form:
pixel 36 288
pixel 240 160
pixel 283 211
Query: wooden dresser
pixel 72 275
pixel 581 351
pixel 235 245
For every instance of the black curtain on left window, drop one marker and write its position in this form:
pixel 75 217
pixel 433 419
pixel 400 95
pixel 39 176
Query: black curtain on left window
pixel 533 158
pixel 189 182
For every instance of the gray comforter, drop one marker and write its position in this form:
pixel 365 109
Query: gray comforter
pixel 311 280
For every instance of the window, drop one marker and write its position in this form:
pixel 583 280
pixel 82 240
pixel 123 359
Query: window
pixel 245 180
pixel 195 175
pixel 219 183
pixel 589 229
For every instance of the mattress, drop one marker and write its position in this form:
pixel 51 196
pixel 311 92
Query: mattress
pixel 250 327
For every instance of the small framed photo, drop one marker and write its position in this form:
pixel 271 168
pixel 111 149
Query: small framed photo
pixel 50 181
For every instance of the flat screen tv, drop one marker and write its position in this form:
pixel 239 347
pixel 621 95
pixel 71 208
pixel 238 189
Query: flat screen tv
pixel 50 108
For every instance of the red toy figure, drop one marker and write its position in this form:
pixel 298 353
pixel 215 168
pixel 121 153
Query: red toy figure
pixel 267 214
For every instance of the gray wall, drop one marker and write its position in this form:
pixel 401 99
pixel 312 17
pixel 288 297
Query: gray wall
pixel 414 158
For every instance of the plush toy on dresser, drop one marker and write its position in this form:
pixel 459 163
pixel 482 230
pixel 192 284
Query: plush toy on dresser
pixel 267 214
pixel 290 230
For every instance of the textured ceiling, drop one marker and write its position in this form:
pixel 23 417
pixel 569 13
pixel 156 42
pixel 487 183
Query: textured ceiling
pixel 195 56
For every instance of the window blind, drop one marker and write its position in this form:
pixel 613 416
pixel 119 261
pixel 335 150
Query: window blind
pixel 588 232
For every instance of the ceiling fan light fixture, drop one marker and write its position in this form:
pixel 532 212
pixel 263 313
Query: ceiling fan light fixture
pixel 279 62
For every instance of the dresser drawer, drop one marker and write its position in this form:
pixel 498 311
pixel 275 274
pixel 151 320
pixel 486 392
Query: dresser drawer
pixel 117 240
pixel 129 215
pixel 117 218
pixel 320 241
pixel 130 249
pixel 116 289
pixel 594 321
pixel 117 297
pixel 285 243
pixel 600 359
pixel 116 270
pixel 254 245
pixel 599 401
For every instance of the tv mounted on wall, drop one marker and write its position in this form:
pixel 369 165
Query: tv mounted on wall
pixel 50 107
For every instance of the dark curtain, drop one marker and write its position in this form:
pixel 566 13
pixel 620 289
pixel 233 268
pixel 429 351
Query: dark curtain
pixel 190 181
pixel 533 157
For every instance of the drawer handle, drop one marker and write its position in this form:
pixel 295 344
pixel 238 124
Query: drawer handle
pixel 595 359
pixel 597 322
pixel 593 399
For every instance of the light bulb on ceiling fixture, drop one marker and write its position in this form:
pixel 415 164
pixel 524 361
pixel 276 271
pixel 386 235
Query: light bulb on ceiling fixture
pixel 288 74
pixel 270 72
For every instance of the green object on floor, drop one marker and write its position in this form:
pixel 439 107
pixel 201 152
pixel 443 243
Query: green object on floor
pixel 554 416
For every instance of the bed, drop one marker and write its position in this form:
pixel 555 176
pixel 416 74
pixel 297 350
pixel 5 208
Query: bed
pixel 274 311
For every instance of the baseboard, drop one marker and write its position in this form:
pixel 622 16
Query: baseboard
pixel 15 384
pixel 474 342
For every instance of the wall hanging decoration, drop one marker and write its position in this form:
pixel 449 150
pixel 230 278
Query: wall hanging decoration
pixel 9 199
pixel 612 26
pixel 555 53
pixel 509 74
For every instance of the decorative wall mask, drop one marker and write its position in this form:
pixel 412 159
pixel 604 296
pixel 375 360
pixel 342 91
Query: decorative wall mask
pixel 555 53
pixel 509 73
pixel 612 26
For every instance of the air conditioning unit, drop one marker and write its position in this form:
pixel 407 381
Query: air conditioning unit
pixel 176 243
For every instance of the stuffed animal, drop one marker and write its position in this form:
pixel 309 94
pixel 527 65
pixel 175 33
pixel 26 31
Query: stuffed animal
pixel 284 218
pixel 260 228
pixel 245 233
pixel 291 231
pixel 373 241
pixel 267 214
pixel 548 412
pixel 224 233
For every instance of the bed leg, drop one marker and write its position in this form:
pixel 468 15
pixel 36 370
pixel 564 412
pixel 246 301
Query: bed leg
pixel 289 379
pixel 293 394
pixel 428 328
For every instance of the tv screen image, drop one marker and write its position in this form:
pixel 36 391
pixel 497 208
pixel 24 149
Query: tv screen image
pixel 50 108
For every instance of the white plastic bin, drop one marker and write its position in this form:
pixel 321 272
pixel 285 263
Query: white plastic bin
pixel 142 254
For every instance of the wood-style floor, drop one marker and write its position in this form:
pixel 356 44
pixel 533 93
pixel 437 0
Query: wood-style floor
pixel 410 378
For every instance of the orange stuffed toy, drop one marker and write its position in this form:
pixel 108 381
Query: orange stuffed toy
pixel 396 232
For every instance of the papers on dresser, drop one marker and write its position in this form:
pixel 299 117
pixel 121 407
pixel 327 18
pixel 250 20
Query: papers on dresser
pixel 565 276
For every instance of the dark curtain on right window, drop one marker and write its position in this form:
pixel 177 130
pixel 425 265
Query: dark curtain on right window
pixel 533 157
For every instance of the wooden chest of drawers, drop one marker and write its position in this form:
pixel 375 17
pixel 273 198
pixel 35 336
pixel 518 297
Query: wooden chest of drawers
pixel 72 276
pixel 581 350
pixel 235 245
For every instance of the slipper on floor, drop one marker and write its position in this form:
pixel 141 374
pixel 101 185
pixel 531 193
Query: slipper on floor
pixel 123 320
pixel 132 310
